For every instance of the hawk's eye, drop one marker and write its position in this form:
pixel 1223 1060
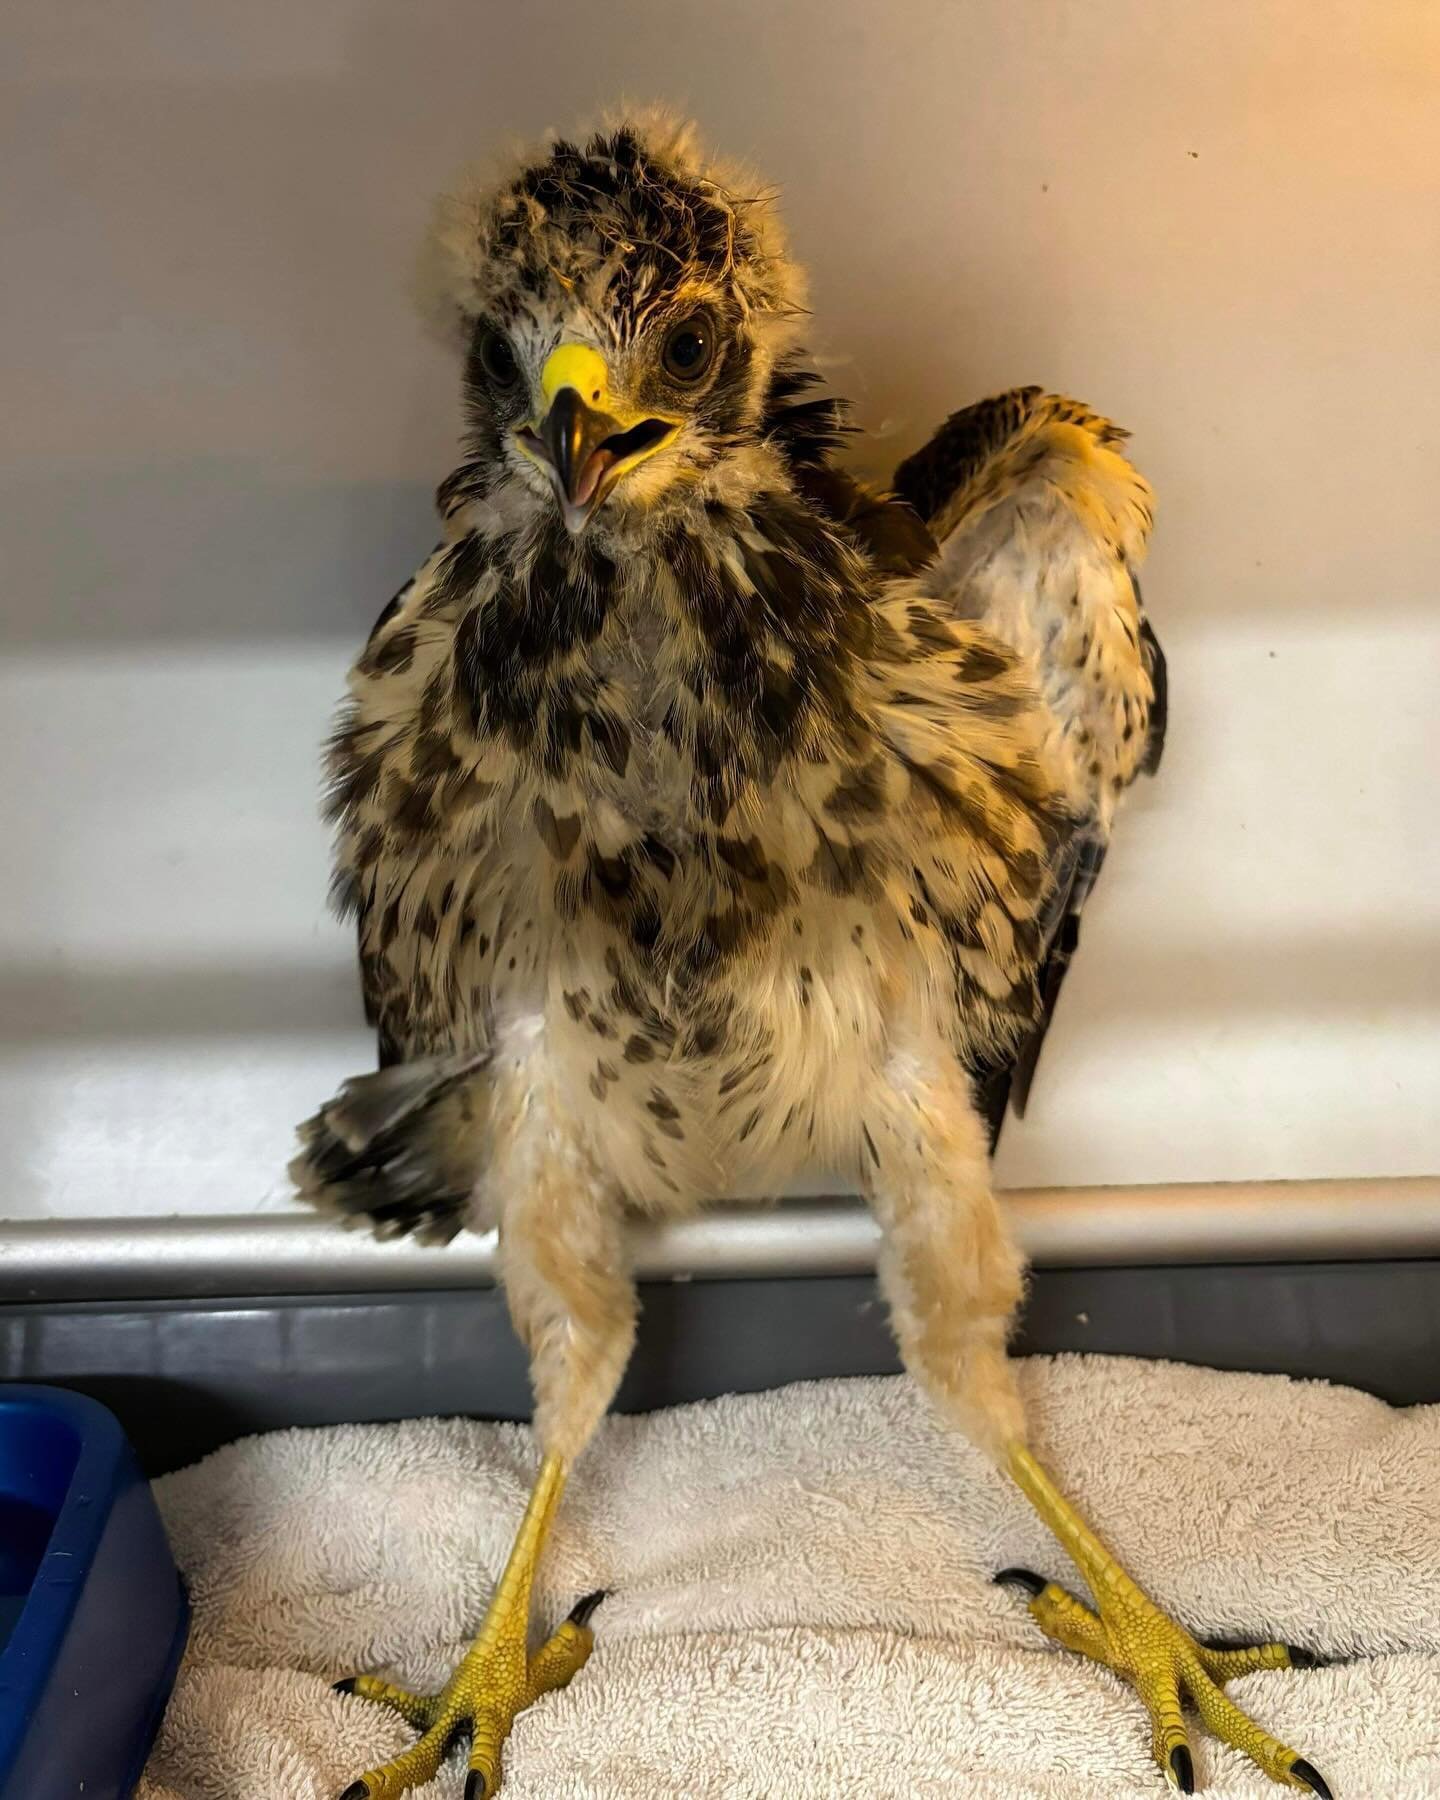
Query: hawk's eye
pixel 497 359
pixel 689 348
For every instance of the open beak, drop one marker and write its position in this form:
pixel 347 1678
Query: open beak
pixel 582 443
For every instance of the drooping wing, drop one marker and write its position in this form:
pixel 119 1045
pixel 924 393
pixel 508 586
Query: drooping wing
pixel 384 1001
pixel 1041 524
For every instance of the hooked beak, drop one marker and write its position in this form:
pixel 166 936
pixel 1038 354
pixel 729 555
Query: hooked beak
pixel 580 443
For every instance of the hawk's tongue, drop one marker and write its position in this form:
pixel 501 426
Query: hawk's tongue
pixel 591 475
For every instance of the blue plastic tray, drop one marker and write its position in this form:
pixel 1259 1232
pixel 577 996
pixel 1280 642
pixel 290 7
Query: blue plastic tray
pixel 93 1615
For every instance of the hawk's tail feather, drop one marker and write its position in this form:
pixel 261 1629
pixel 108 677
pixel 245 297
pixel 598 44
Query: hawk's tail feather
pixel 399 1149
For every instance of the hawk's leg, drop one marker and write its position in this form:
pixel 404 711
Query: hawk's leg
pixel 573 1304
pixel 1130 1634
pixel 952 1278
pixel 497 1678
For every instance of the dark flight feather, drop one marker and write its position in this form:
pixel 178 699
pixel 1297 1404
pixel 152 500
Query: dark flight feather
pixel 807 429
pixel 1159 673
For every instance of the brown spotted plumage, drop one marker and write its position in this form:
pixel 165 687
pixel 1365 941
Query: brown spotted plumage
pixel 707 815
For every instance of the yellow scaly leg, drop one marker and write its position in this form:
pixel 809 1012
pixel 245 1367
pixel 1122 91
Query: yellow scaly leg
pixel 497 1678
pixel 1129 1634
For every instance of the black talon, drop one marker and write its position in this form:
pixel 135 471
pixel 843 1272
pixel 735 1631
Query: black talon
pixel 1311 1776
pixel 474 1785
pixel 581 1612
pixel 1027 1578
pixel 347 1686
pixel 1183 1769
pixel 1301 1658
pixel 357 1790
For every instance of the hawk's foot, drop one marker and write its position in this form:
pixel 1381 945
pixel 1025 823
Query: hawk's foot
pixel 1167 1667
pixel 494 1683
pixel 497 1678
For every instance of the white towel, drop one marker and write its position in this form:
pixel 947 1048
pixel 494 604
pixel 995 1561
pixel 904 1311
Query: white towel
pixel 802 1603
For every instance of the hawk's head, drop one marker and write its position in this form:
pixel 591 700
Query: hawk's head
pixel 623 306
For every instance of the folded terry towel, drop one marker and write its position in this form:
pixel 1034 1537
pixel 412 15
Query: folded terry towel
pixel 801 1598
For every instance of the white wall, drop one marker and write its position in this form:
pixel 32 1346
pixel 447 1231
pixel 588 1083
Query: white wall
pixel 221 425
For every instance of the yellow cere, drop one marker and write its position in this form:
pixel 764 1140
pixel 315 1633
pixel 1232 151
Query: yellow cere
pixel 575 366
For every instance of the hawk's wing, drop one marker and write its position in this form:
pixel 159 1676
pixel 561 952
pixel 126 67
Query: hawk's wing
pixel 386 1003
pixel 1041 523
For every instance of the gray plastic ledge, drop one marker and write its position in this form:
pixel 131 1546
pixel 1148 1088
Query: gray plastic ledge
pixel 297 1253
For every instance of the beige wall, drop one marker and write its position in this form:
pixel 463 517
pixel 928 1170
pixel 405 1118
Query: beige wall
pixel 219 426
